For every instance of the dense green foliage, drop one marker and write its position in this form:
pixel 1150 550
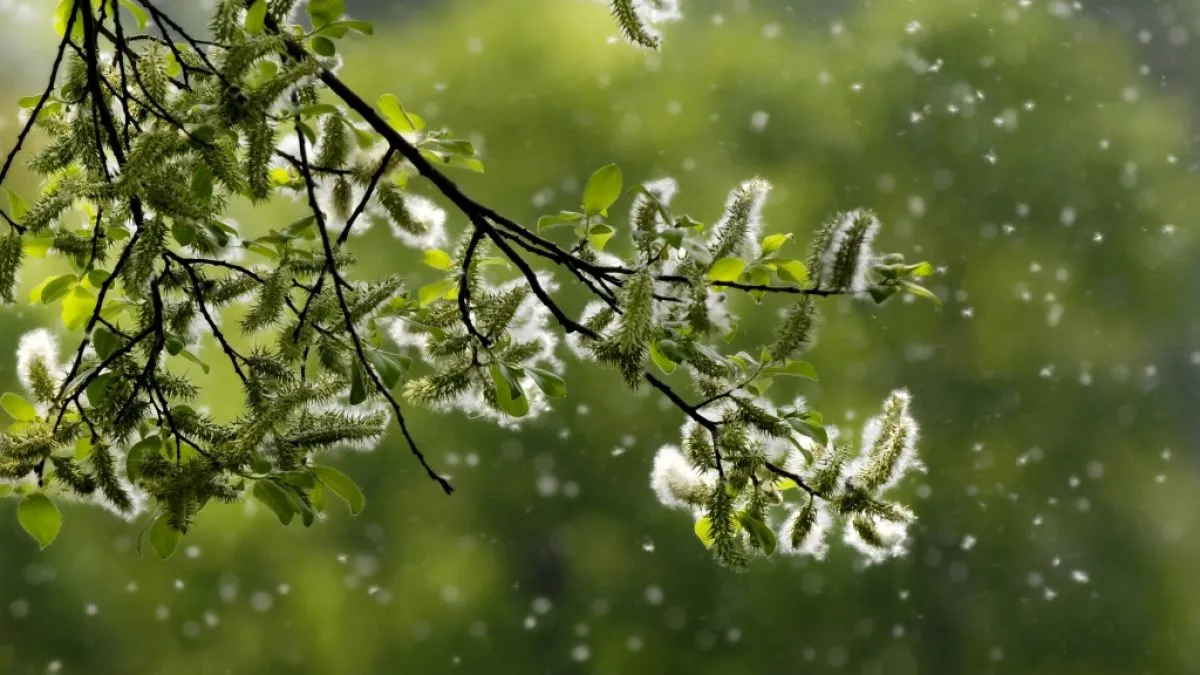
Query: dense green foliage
pixel 153 268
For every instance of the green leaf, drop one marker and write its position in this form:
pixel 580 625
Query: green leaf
pixel 96 278
pixel 323 12
pixel 390 368
pixel 187 354
pixel 97 389
pixel 881 293
pixel 438 259
pixel 143 450
pixel 603 189
pixel 183 232
pixel 785 484
pixel 40 518
pixel 400 119
pixel 53 288
pixel 726 269
pixel 774 242
pixel 173 343
pixel 599 235
pixel 27 103
pixel 509 395
pixel 551 385
pixel 797 368
pixel 338 29
pixel 62 16
pixel 323 46
pixel 202 182
pixel 268 492
pixel 358 388
pixel 342 486
pixel 792 270
pixel 703 530
pixel 17 407
pixel 921 269
pixel 429 293
pixel 563 218
pixel 139 15
pixel 759 530
pixel 77 308
pixel 256 17
pixel 921 292
pixel 164 539
pixel 16 206
pixel 664 364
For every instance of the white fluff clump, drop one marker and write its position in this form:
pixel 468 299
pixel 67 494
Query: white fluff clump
pixel 37 346
pixel 575 341
pixel 744 206
pixel 830 257
pixel 430 215
pixel 815 544
pixel 675 481
pixel 889 445
pixel 892 535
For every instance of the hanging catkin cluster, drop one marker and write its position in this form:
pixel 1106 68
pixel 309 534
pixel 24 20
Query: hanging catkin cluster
pixel 146 143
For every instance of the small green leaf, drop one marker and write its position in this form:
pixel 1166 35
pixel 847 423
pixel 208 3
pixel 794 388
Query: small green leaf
pixel 323 12
pixel 164 539
pixel 18 408
pixel 400 119
pixel 275 498
pixel 187 354
pixel 338 29
pixel 602 190
pixel 759 530
pixel 785 484
pixel 139 15
pixel 797 368
pixel 664 364
pixel 342 486
pixel 881 293
pixel 143 450
pixel 16 206
pixel 96 278
pixel 40 518
pixel 774 242
pixel 703 530
pixel 438 259
pixel 256 17
pixel 509 395
pixel 390 368
pixel 429 293
pixel 563 218
pixel 53 288
pixel 27 103
pixel 726 269
pixel 551 385
pixel 358 388
pixel 921 292
pixel 323 46
pixel 599 235
pixel 921 269
pixel 97 389
pixel 173 343
pixel 792 270
pixel 77 308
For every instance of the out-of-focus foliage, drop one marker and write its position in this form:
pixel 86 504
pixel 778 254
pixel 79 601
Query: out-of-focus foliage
pixel 1055 387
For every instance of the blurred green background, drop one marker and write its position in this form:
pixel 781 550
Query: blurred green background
pixel 1044 156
